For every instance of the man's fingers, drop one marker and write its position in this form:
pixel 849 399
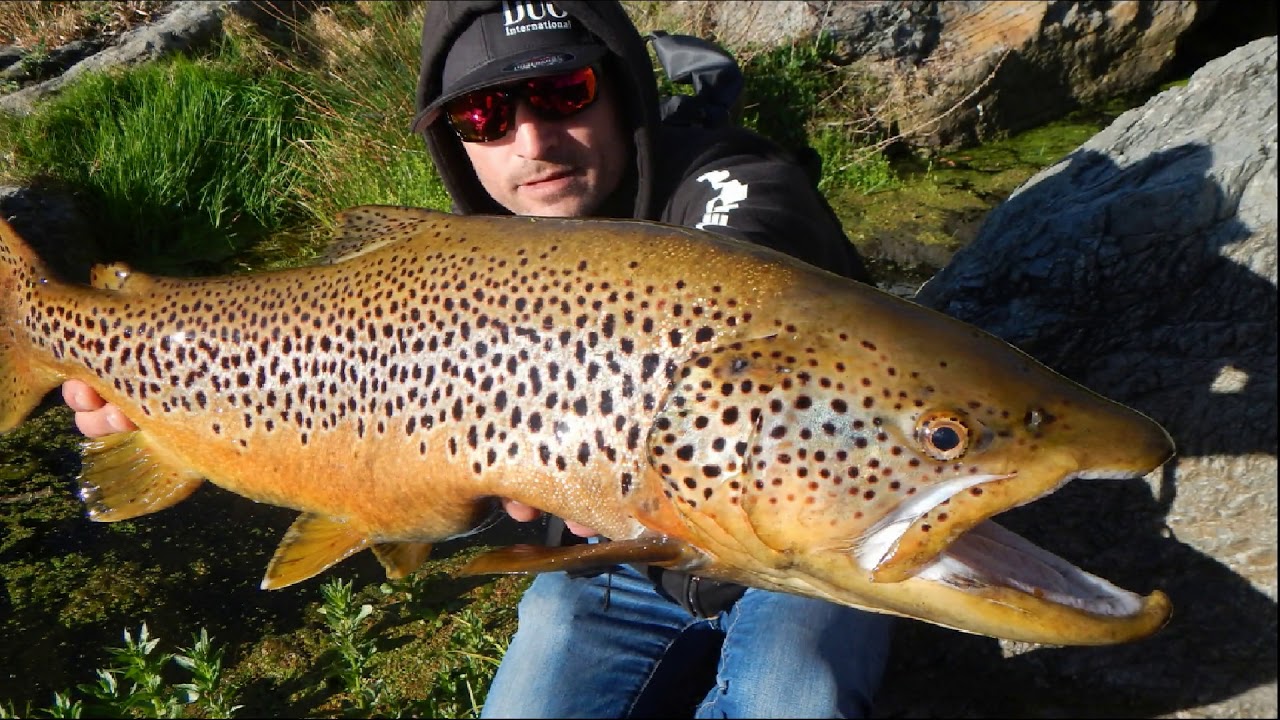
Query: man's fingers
pixel 104 421
pixel 80 397
pixel 519 511
pixel 524 513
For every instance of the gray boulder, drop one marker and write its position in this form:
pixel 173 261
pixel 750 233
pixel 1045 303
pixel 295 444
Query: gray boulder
pixel 1144 266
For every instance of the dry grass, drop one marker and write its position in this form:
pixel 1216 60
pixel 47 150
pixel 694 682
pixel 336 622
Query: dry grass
pixel 50 23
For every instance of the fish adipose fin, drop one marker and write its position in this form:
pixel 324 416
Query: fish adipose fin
pixel 313 544
pixel 122 476
pixel 401 558
pixel 578 558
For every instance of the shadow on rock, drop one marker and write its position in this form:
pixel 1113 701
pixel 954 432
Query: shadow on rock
pixel 1153 283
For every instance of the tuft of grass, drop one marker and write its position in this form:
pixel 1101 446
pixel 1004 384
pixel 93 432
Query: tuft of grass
pixel 180 164
pixel 361 151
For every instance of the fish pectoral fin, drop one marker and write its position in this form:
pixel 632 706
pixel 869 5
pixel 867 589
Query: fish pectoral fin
pixel 400 559
pixel 313 544
pixel 123 476
pixel 662 551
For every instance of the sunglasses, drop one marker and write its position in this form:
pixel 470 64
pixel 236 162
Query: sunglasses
pixel 488 114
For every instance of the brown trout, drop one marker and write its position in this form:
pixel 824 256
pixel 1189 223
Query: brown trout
pixel 709 405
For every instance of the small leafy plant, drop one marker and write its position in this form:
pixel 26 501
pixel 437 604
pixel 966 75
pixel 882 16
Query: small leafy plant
pixel 135 685
pixel 353 648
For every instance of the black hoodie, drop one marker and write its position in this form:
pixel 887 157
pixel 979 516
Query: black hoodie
pixel 728 180
pixel 444 21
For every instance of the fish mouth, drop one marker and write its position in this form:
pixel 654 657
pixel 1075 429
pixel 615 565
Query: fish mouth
pixel 987 555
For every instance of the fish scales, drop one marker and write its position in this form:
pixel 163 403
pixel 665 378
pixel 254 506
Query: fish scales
pixel 708 404
pixel 475 356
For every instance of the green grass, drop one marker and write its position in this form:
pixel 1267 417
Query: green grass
pixel 362 151
pixel 177 163
pixel 184 164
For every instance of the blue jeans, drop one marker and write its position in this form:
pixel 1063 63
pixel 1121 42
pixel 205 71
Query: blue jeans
pixel 779 655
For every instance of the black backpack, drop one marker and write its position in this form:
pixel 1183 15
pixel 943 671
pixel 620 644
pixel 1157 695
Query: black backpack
pixel 714 74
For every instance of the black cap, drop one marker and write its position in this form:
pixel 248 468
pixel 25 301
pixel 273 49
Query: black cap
pixel 526 38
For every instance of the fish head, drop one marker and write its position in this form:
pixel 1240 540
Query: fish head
pixel 862 466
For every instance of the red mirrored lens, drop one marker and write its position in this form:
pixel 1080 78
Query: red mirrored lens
pixel 481 116
pixel 486 114
pixel 562 95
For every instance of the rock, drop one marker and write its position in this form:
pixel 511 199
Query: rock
pixel 1144 266
pixel 958 72
pixel 52 63
pixel 9 54
pixel 185 26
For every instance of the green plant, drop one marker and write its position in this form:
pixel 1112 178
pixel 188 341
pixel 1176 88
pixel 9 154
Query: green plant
pixel 361 151
pixel 205 690
pixel 796 95
pixel 348 637
pixel 136 663
pixel 34 58
pixel 134 686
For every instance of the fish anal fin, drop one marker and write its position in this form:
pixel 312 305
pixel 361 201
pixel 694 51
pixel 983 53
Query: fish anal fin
pixel 400 559
pixel 122 476
pixel 313 544
pixel 662 551
pixel 367 228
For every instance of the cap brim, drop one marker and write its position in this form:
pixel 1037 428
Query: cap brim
pixel 498 72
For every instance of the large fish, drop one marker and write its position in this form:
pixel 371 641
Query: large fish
pixel 707 404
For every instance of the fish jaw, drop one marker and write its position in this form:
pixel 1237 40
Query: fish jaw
pixel 989 582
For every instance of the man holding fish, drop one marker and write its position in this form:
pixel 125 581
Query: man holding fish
pixel 551 109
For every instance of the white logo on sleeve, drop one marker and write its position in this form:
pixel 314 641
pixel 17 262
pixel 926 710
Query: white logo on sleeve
pixel 731 193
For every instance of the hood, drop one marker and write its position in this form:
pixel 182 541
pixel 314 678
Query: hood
pixel 627 63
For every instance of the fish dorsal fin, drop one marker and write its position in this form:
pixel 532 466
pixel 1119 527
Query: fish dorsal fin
pixel 401 558
pixel 662 551
pixel 122 476
pixel 367 228
pixel 313 544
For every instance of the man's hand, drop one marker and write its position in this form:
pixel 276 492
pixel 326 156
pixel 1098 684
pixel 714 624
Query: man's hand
pixel 523 513
pixel 94 417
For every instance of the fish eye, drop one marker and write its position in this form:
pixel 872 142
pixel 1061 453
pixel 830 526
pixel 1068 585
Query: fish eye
pixel 943 435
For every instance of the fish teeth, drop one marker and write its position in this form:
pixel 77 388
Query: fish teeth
pixel 882 537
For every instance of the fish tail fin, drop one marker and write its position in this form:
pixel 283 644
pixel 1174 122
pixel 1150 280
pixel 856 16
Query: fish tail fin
pixel 24 381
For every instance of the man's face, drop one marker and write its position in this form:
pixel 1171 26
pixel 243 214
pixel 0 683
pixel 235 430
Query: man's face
pixel 565 167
